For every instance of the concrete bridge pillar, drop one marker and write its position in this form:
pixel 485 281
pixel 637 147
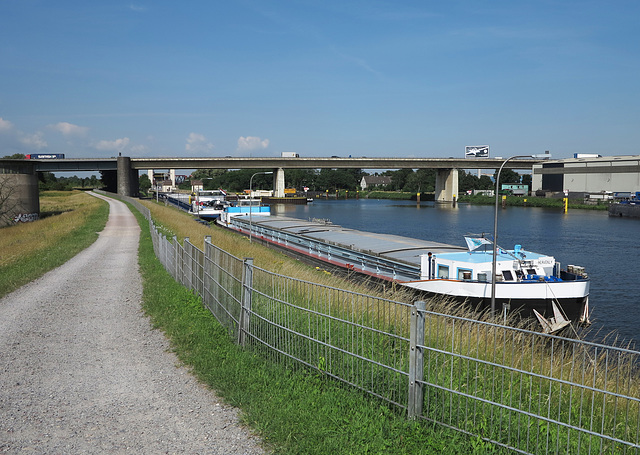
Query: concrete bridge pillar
pixel 278 182
pixel 127 177
pixel 446 185
pixel 19 196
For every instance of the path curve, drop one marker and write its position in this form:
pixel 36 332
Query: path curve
pixel 81 370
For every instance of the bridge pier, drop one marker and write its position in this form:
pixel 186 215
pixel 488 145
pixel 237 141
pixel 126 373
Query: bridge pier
pixel 127 178
pixel 278 182
pixel 19 196
pixel 446 185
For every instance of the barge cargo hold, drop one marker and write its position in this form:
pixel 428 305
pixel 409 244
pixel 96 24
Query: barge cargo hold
pixel 527 282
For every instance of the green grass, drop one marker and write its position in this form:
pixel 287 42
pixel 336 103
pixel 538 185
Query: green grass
pixel 294 412
pixel 512 388
pixel 66 235
pixel 394 195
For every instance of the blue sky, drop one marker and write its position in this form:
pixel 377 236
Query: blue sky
pixel 321 78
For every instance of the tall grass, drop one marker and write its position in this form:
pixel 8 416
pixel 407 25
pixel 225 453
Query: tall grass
pixel 70 221
pixel 583 382
pixel 293 411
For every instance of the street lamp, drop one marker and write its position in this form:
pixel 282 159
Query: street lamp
pixel 251 198
pixel 546 155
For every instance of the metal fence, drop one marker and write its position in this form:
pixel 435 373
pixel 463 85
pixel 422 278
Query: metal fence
pixel 522 390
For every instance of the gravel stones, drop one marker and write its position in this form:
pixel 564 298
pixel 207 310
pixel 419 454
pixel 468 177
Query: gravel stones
pixel 82 371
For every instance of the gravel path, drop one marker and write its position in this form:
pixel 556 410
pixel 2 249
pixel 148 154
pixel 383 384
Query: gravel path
pixel 81 370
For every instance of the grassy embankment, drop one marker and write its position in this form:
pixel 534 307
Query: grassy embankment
pixel 393 195
pixel 70 222
pixel 294 412
pixel 487 344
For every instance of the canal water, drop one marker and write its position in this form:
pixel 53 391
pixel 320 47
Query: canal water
pixel 608 247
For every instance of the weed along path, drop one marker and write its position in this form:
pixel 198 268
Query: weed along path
pixel 82 371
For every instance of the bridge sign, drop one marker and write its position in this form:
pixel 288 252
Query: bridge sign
pixel 476 151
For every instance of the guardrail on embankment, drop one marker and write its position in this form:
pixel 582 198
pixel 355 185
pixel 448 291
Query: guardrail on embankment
pixel 526 391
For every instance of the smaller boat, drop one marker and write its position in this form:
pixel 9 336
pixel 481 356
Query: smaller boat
pixel 627 208
pixel 248 207
pixel 208 204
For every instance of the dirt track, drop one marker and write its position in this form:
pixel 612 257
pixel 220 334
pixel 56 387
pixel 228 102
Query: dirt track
pixel 81 370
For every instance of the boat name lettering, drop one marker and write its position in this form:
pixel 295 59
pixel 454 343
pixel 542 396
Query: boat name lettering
pixel 545 261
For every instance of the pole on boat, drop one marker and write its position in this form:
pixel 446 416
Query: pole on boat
pixel 546 155
pixel 251 197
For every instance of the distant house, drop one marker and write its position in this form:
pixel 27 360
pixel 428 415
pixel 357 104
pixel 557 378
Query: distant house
pixel 371 181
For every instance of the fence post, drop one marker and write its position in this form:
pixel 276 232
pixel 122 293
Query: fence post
pixel 247 286
pixel 175 258
pixel 187 263
pixel 416 360
pixel 206 269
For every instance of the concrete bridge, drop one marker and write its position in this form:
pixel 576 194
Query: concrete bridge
pixel 126 169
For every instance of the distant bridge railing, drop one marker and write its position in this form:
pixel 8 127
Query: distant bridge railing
pixel 522 390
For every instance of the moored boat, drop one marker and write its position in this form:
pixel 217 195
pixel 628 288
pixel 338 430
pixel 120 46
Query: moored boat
pixel 243 207
pixel 208 204
pixel 525 281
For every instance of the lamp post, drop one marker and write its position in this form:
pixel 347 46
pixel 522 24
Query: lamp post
pixel 546 155
pixel 251 199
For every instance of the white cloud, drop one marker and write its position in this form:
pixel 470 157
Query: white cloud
pixel 249 143
pixel 116 146
pixel 197 144
pixel 5 125
pixel 69 129
pixel 137 8
pixel 33 141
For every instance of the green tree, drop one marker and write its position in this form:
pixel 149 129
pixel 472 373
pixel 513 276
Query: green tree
pixel 15 156
pixel 338 179
pixel 144 183
pixel 507 176
pixel 399 178
pixel 297 178
pixel 485 183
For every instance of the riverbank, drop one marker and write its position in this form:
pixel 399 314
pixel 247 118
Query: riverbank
pixel 514 201
pixel 532 201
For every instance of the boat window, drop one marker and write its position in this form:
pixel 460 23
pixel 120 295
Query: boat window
pixel 443 271
pixel 464 274
pixel 531 272
pixel 519 274
pixel 507 275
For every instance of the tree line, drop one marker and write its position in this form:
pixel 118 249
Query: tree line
pixel 406 180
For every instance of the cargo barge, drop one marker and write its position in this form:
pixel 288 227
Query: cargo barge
pixel 531 283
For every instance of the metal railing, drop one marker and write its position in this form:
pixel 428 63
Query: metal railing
pixel 522 390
